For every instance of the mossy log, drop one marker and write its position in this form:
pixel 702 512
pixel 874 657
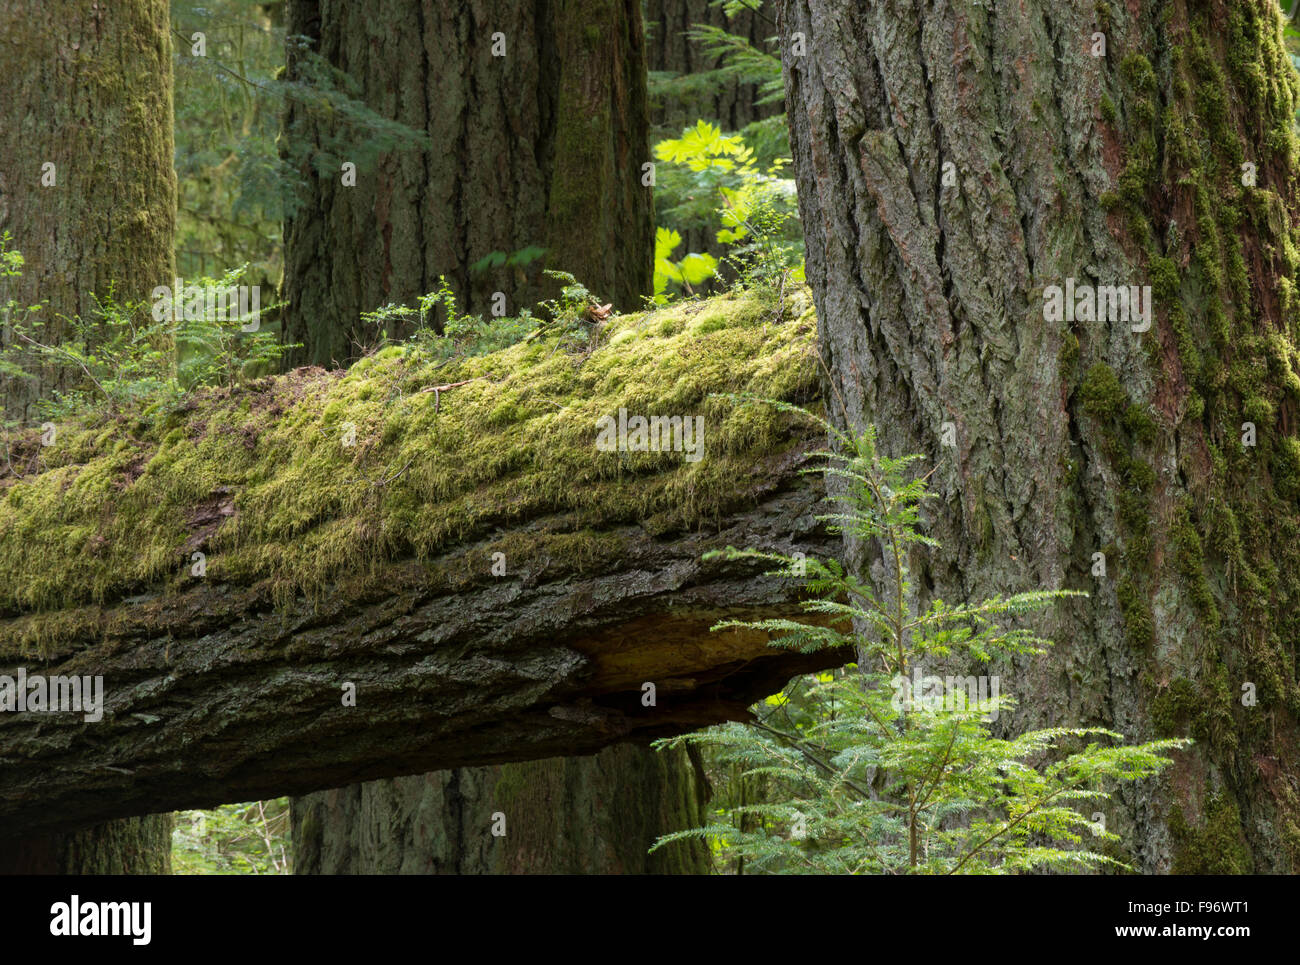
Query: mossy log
pixel 349 526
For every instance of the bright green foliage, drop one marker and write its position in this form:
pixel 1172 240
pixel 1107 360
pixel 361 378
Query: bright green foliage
pixel 868 773
pixel 233 839
pixel 694 269
pixel 757 209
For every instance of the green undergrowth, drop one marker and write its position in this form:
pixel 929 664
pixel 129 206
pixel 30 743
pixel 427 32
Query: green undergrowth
pixel 260 480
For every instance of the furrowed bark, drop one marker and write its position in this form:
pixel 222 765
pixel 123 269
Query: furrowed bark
pixel 954 161
pixel 541 146
pixel 213 695
pixel 573 815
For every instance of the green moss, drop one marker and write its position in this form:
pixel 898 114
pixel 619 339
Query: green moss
pixel 1191 565
pixel 1139 626
pixel 1108 112
pixel 1102 396
pixel 1138 73
pixel 261 479
pixel 1214 848
pixel 1140 425
pixel 1102 12
pixel 1174 706
pixel 1164 280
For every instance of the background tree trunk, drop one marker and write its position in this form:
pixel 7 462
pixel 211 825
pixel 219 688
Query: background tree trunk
pixel 87 88
pixel 576 815
pixel 540 147
pixel 127 846
pixel 1078 438
pixel 672 54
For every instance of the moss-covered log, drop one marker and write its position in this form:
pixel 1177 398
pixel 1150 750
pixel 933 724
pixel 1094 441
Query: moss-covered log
pixel 350 526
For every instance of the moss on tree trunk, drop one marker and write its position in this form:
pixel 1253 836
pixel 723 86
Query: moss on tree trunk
pixel 954 163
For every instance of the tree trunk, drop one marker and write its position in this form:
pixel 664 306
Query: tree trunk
pixel 542 146
pixel 670 52
pixel 128 846
pixel 575 815
pixel 954 162
pixel 350 621
pixel 86 89
pixel 213 694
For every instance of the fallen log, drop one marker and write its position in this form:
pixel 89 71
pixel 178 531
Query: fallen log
pixel 324 579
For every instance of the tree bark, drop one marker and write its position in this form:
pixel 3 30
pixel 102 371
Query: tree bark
pixel 87 89
pixel 1074 438
pixel 212 694
pixel 575 815
pixel 543 146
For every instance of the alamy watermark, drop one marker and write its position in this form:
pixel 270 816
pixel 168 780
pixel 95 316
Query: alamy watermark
pixel 946 693
pixel 209 303
pixel 22 693
pixel 1129 304
pixel 656 433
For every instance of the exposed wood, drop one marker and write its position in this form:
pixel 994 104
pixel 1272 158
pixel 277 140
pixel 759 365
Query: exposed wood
pixel 213 696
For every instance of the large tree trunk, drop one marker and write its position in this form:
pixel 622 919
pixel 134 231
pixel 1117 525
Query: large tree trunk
pixel 576 815
pixel 87 89
pixel 1084 437
pixel 543 146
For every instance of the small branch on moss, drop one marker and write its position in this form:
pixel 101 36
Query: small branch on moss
pixel 437 390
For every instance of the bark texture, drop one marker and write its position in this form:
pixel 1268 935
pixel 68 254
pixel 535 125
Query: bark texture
pixel 576 815
pixel 88 89
pixel 542 146
pixel 1084 437
pixel 213 694
pixel 128 846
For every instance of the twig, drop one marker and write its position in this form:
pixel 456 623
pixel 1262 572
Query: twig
pixel 437 390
